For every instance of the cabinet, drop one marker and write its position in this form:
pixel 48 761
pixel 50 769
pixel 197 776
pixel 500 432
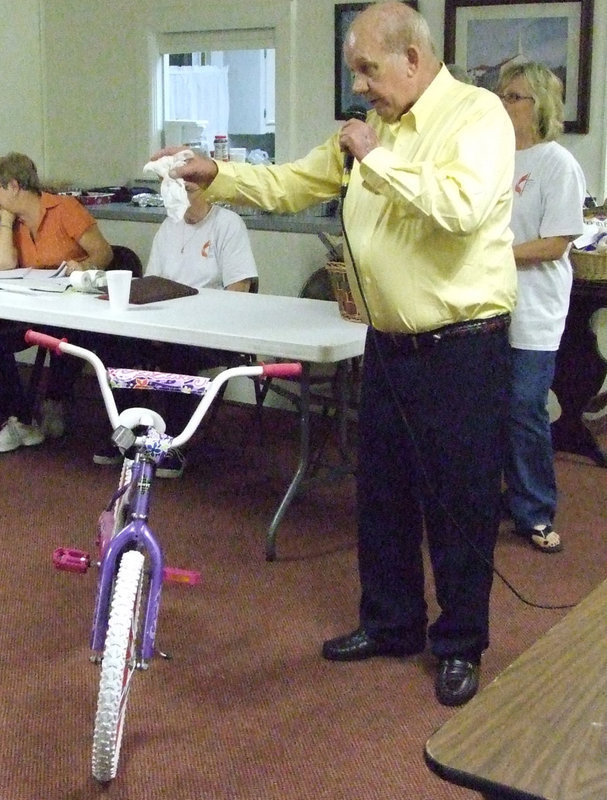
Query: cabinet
pixel 580 370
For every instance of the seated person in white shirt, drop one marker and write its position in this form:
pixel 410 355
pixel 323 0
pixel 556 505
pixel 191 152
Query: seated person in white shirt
pixel 208 249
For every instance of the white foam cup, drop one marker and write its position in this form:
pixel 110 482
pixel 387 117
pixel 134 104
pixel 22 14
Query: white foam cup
pixel 119 288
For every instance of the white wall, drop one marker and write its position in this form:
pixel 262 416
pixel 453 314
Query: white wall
pixel 78 90
pixel 21 85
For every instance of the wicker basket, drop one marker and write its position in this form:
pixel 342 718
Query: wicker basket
pixel 589 265
pixel 341 290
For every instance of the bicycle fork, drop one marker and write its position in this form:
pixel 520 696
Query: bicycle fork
pixel 135 535
pixel 138 534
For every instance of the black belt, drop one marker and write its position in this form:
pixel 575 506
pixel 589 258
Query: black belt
pixel 410 342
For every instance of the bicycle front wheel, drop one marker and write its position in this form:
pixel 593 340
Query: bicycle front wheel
pixel 118 666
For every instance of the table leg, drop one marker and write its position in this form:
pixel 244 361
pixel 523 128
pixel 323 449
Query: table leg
pixel 343 405
pixel 344 386
pixel 302 467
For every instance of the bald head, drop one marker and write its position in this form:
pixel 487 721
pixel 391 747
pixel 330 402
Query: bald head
pixel 397 25
pixel 389 50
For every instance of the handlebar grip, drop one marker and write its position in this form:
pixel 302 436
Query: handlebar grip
pixel 282 370
pixel 44 340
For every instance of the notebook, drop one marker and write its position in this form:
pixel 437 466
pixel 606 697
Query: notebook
pixel 45 284
pixel 25 279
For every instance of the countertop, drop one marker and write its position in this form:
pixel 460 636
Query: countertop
pixel 303 222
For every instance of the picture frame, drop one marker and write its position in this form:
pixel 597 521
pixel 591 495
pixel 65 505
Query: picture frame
pixel 483 35
pixel 344 96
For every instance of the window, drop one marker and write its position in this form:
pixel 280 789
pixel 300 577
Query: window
pixel 231 90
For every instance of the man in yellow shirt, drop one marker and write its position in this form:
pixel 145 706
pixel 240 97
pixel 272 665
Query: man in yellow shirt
pixel 426 218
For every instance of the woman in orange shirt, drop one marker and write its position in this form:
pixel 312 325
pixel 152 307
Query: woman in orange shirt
pixel 40 230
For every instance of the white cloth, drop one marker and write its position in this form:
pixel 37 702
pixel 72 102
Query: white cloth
pixel 210 254
pixel 549 190
pixel 172 190
pixel 591 234
pixel 90 281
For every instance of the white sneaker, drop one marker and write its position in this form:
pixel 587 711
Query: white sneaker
pixel 14 434
pixel 30 434
pixel 53 421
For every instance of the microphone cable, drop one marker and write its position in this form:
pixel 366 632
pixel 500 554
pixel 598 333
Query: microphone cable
pixel 359 113
pixel 417 450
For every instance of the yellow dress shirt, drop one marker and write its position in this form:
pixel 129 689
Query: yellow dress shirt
pixel 427 212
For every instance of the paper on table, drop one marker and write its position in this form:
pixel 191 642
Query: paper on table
pixel 20 272
pixel 34 285
pixel 37 284
pixel 14 286
pixel 24 272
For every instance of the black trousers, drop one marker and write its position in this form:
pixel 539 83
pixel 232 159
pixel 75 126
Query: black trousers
pixel 431 430
pixel 13 399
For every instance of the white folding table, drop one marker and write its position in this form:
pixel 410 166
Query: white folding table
pixel 290 328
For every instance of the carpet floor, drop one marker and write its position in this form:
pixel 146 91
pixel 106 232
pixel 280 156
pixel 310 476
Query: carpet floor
pixel 246 709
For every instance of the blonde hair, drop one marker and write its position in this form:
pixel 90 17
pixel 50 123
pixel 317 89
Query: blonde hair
pixel 547 91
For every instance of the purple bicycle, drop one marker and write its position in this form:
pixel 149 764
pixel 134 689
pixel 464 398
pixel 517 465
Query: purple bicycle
pixel 131 566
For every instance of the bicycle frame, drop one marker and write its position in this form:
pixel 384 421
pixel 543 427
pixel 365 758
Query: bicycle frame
pixel 136 534
pixel 118 642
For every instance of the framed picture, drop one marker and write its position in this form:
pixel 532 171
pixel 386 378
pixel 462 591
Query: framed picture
pixel 344 96
pixel 482 36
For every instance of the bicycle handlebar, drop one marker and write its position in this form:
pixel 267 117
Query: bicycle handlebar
pixel 278 370
pixel 44 340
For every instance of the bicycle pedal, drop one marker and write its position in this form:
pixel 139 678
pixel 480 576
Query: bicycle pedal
pixel 69 559
pixel 175 575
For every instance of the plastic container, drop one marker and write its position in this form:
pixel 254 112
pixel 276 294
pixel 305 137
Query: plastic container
pixel 238 154
pixel 221 148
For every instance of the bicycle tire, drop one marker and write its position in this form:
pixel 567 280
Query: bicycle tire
pixel 118 666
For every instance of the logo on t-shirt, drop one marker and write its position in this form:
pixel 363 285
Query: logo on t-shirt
pixel 205 249
pixel 519 186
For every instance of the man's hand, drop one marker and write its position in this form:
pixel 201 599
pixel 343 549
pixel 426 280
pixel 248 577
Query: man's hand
pixel 199 169
pixel 357 138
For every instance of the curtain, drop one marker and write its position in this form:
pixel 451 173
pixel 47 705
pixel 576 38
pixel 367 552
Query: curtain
pixel 200 93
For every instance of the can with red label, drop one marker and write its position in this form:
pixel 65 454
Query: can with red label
pixel 222 149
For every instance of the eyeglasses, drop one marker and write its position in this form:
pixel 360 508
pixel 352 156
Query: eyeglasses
pixel 513 97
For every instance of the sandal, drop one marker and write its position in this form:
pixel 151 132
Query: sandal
pixel 543 538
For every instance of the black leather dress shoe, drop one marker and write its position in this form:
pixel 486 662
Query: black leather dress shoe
pixel 457 681
pixel 359 644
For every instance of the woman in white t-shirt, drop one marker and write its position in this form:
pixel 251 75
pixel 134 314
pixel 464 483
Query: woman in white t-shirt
pixel 208 249
pixel 549 191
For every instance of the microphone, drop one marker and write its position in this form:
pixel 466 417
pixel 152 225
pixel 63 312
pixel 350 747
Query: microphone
pixel 354 112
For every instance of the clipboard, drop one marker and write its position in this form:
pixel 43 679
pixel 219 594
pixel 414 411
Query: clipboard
pixel 154 288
